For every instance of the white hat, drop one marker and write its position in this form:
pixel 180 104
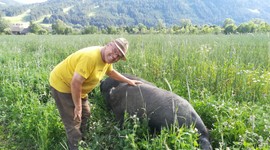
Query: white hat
pixel 122 45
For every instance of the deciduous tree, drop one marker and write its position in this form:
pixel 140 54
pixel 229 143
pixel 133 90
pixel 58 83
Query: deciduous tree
pixel 3 25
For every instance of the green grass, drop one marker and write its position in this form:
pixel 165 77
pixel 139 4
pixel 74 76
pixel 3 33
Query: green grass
pixel 225 77
pixel 24 18
pixel 20 18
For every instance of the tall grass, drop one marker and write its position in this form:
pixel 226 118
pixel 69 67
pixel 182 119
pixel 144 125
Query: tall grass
pixel 225 77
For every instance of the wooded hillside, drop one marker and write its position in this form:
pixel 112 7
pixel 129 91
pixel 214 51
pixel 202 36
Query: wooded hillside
pixel 103 13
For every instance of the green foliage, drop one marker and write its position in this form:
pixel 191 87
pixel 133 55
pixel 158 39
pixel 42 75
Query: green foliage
pixel 37 29
pixel 61 28
pixel 3 25
pixel 225 77
pixel 120 13
pixel 90 30
pixel 230 29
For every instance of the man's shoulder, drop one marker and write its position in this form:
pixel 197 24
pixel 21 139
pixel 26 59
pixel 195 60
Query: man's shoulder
pixel 91 49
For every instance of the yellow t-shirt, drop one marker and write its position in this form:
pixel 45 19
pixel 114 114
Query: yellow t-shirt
pixel 88 63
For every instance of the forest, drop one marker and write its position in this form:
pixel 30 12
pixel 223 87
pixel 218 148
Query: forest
pixel 121 13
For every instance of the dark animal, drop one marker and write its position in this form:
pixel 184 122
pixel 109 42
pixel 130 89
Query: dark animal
pixel 163 108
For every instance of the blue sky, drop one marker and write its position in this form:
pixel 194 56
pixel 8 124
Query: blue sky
pixel 30 1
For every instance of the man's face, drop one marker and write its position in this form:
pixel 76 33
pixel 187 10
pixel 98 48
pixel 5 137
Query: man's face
pixel 112 54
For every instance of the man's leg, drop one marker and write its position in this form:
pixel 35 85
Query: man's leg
pixel 66 107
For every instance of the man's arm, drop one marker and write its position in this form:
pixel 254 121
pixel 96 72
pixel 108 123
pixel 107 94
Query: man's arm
pixel 118 76
pixel 76 90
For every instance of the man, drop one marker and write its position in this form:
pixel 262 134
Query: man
pixel 76 76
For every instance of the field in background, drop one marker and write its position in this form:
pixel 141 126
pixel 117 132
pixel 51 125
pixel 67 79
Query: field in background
pixel 20 18
pixel 24 18
pixel 225 77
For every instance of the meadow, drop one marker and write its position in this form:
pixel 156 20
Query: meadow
pixel 225 77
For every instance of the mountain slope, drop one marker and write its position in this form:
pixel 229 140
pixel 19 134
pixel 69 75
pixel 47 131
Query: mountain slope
pixel 104 13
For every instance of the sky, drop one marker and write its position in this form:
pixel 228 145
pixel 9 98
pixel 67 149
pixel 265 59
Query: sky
pixel 30 1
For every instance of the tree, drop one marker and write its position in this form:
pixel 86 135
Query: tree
pixel 217 30
pixel 112 30
pixel 46 20
pixel 135 30
pixel 185 22
pixel 8 31
pixel 176 29
pixel 243 28
pixel 142 28
pixel 3 25
pixel 230 29
pixel 252 27
pixel 59 27
pixel 264 27
pixel 68 30
pixel 206 29
pixel 193 30
pixel 90 30
pixel 35 28
pixel 161 27
pixel 229 26
pixel 227 22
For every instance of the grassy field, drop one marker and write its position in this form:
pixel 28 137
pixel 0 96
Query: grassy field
pixel 20 18
pixel 24 18
pixel 225 77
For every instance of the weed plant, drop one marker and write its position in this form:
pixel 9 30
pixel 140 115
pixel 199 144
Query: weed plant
pixel 225 77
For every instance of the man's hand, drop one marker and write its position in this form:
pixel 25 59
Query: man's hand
pixel 77 113
pixel 134 82
pixel 119 77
